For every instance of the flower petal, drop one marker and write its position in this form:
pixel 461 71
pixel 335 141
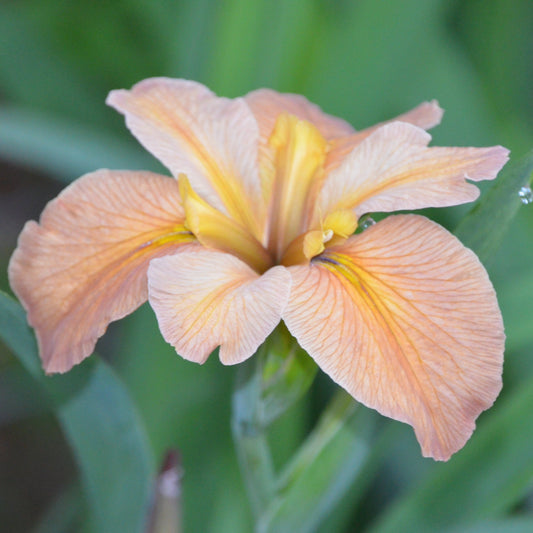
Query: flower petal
pixel 214 141
pixel 267 105
pixel 204 299
pixel 85 264
pixel 393 169
pixel 425 116
pixel 299 151
pixel 213 229
pixel 404 317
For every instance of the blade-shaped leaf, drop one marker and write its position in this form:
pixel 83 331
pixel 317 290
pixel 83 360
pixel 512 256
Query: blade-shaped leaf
pixel 338 452
pixel 15 402
pixel 484 228
pixel 486 479
pixel 100 423
pixel 61 148
pixel 511 525
pixel 65 513
pixel 34 71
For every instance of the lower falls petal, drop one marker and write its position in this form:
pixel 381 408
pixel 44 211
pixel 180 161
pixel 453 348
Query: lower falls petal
pixel 404 317
pixel 84 265
pixel 204 299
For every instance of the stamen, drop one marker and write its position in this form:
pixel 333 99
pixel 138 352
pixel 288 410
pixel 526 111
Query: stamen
pixel 327 235
pixel 310 244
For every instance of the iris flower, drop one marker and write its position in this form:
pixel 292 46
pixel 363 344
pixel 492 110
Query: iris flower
pixel 258 226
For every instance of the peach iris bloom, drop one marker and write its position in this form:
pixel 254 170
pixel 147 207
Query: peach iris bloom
pixel 258 227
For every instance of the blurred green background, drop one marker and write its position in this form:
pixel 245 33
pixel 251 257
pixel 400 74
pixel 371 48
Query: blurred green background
pixel 363 60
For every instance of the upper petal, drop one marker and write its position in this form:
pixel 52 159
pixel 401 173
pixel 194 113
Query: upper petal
pixel 425 116
pixel 267 105
pixel 299 151
pixel 404 317
pixel 214 141
pixel 85 264
pixel 393 169
pixel 204 299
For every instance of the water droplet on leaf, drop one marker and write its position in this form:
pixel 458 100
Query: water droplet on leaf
pixel 525 194
pixel 367 222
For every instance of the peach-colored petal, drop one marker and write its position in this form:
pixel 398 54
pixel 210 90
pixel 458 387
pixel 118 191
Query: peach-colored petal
pixel 85 264
pixel 214 141
pixel 267 104
pixel 404 317
pixel 426 116
pixel 204 299
pixel 393 169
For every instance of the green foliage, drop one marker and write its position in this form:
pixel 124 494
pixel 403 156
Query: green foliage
pixel 334 458
pixel 485 227
pixel 492 474
pixel 287 372
pixel 101 424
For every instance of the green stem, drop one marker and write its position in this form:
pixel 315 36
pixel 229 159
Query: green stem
pixel 250 435
pixel 341 409
pixel 331 461
pixel 334 456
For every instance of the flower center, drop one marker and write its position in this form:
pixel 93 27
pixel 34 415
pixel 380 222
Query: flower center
pixel 295 230
pixel 216 230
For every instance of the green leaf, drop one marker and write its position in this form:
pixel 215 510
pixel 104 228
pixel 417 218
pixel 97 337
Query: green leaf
pixel 33 70
pixel 505 70
pixel 101 424
pixel 62 148
pixel 238 23
pixel 491 474
pixel 64 514
pixel 484 228
pixel 185 406
pixel 338 453
pixel 511 525
pixel 514 297
pixel 188 52
pixel 281 59
pixel 16 403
